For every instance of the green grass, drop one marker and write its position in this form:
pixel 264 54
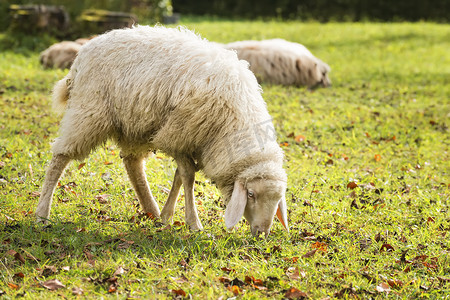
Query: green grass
pixel 383 125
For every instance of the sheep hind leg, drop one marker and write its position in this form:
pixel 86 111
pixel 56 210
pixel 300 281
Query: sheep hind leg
pixel 169 208
pixel 187 173
pixel 54 171
pixel 135 169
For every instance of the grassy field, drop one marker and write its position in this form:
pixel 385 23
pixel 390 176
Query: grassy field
pixel 368 191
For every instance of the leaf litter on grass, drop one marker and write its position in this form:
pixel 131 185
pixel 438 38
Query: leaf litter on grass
pixel 367 190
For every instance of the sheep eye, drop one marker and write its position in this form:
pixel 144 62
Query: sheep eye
pixel 250 194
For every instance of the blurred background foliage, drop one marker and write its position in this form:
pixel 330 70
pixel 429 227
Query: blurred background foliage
pixel 320 10
pixel 148 11
pixel 151 11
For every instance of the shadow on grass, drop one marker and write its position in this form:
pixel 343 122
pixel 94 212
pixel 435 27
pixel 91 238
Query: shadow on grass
pixel 71 241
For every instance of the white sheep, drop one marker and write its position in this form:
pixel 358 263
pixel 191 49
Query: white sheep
pixel 169 90
pixel 281 62
pixel 60 55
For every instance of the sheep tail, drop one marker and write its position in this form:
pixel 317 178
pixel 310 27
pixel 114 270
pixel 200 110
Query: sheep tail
pixel 61 92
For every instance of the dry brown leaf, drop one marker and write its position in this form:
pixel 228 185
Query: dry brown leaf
pixel 293 273
pixel 300 138
pixel 235 289
pixel 179 292
pixel 13 286
pixel 224 279
pixel 352 185
pixel 309 254
pixel 112 288
pixel 53 284
pixel 19 275
pixel 383 287
pixel 227 270
pixel 119 271
pixel 48 271
pixel 16 255
pixel 394 283
pixel 77 291
pixel 320 246
pixel 294 293
pixel 386 247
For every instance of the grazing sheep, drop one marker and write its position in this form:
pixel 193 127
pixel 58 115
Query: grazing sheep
pixel 169 90
pixel 60 55
pixel 82 41
pixel 282 62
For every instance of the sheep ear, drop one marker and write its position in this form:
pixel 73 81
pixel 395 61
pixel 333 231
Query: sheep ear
pixel 282 213
pixel 236 206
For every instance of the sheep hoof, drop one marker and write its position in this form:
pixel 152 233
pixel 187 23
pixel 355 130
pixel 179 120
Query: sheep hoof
pixel 41 220
pixel 197 226
pixel 166 219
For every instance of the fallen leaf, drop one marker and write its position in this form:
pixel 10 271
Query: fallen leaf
pixel 294 293
pixel 352 185
pixel 227 270
pixel 119 271
pixel 320 246
pixel 16 255
pixel 13 286
pixel 224 279
pixel 53 284
pixel 65 268
pixel 48 271
pixel 293 273
pixel 300 138
pixel 393 283
pixel 77 291
pixel 35 194
pixel 181 279
pixel 309 254
pixel 443 279
pixel 386 247
pixel 19 275
pixel 235 289
pixel 383 287
pixel 112 288
pixel 103 199
pixel 179 292
pixel 81 165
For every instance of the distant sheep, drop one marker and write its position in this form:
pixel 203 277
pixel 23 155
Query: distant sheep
pixel 82 41
pixel 281 62
pixel 60 55
pixel 169 90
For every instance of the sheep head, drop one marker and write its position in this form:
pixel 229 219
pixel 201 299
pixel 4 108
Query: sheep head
pixel 258 201
pixel 313 72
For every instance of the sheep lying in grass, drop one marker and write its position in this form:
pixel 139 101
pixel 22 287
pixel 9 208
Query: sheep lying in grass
pixel 60 55
pixel 282 62
pixel 169 90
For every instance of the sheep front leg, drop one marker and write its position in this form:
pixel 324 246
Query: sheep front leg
pixel 169 208
pixel 187 174
pixel 135 169
pixel 54 171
